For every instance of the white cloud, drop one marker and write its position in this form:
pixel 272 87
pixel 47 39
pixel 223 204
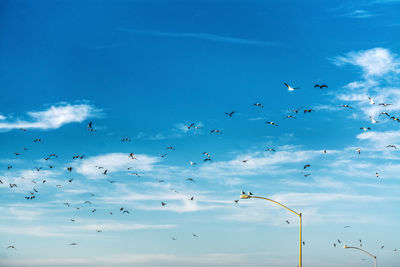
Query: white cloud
pixel 2 117
pixel 381 139
pixel 373 62
pixel 114 162
pixel 53 117
pixel 258 163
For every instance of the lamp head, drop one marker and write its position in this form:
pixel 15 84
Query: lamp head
pixel 345 246
pixel 245 196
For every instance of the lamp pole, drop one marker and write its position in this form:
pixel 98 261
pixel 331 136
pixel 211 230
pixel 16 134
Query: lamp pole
pixel 244 196
pixel 366 252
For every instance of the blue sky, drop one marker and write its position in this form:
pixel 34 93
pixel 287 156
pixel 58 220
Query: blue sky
pixel 144 70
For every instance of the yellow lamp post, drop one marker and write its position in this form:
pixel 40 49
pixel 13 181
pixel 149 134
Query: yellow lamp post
pixel 366 252
pixel 244 196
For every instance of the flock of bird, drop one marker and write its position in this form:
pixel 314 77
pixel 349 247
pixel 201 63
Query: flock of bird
pixel 31 195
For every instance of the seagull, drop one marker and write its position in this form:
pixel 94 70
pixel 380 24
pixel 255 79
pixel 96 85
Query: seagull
pixel 190 179
pixel 384 104
pixel 70 180
pixel 94 210
pixel 245 160
pixel 345 106
pixel 306 166
pixel 72 220
pixel 207 159
pixel 105 172
pixel 347 226
pixel 393 146
pixel 371 101
pixel 170 147
pixel 66 203
pixel 230 113
pixel 365 129
pixel 270 149
pixel 192 163
pixel 37 140
pixel 99 231
pixel 289 116
pixel 382 247
pixel 11 246
pixel 207 154
pixel 321 86
pixel 73 244
pixel 191 198
pixel 308 110
pixel 384 113
pixel 216 131
pixel 334 245
pixel 236 201
pixel 377 175
pixel 162 155
pixel 125 140
pixel 163 203
pixel 125 211
pixel 88 202
pixel 258 105
pixel 395 119
pixel 271 122
pixel 69 169
pixel 306 174
pixel 194 235
pixel 372 120
pixel 291 88
pixel 173 238
pixel 339 241
pixel 132 156
pixel 358 150
pixel 287 222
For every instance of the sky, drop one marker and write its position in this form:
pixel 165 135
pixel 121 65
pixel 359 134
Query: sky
pixel 155 78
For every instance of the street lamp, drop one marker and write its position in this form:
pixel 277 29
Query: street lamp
pixel 246 196
pixel 364 252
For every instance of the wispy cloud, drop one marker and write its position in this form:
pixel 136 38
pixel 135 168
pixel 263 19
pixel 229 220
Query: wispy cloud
pixel 379 67
pixel 52 118
pixel 359 14
pixel 201 36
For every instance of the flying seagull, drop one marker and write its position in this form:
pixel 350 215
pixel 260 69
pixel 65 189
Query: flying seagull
pixel 230 113
pixel 271 123
pixel 321 86
pixel 291 88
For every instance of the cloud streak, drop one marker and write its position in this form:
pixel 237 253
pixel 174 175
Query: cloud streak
pixel 201 36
